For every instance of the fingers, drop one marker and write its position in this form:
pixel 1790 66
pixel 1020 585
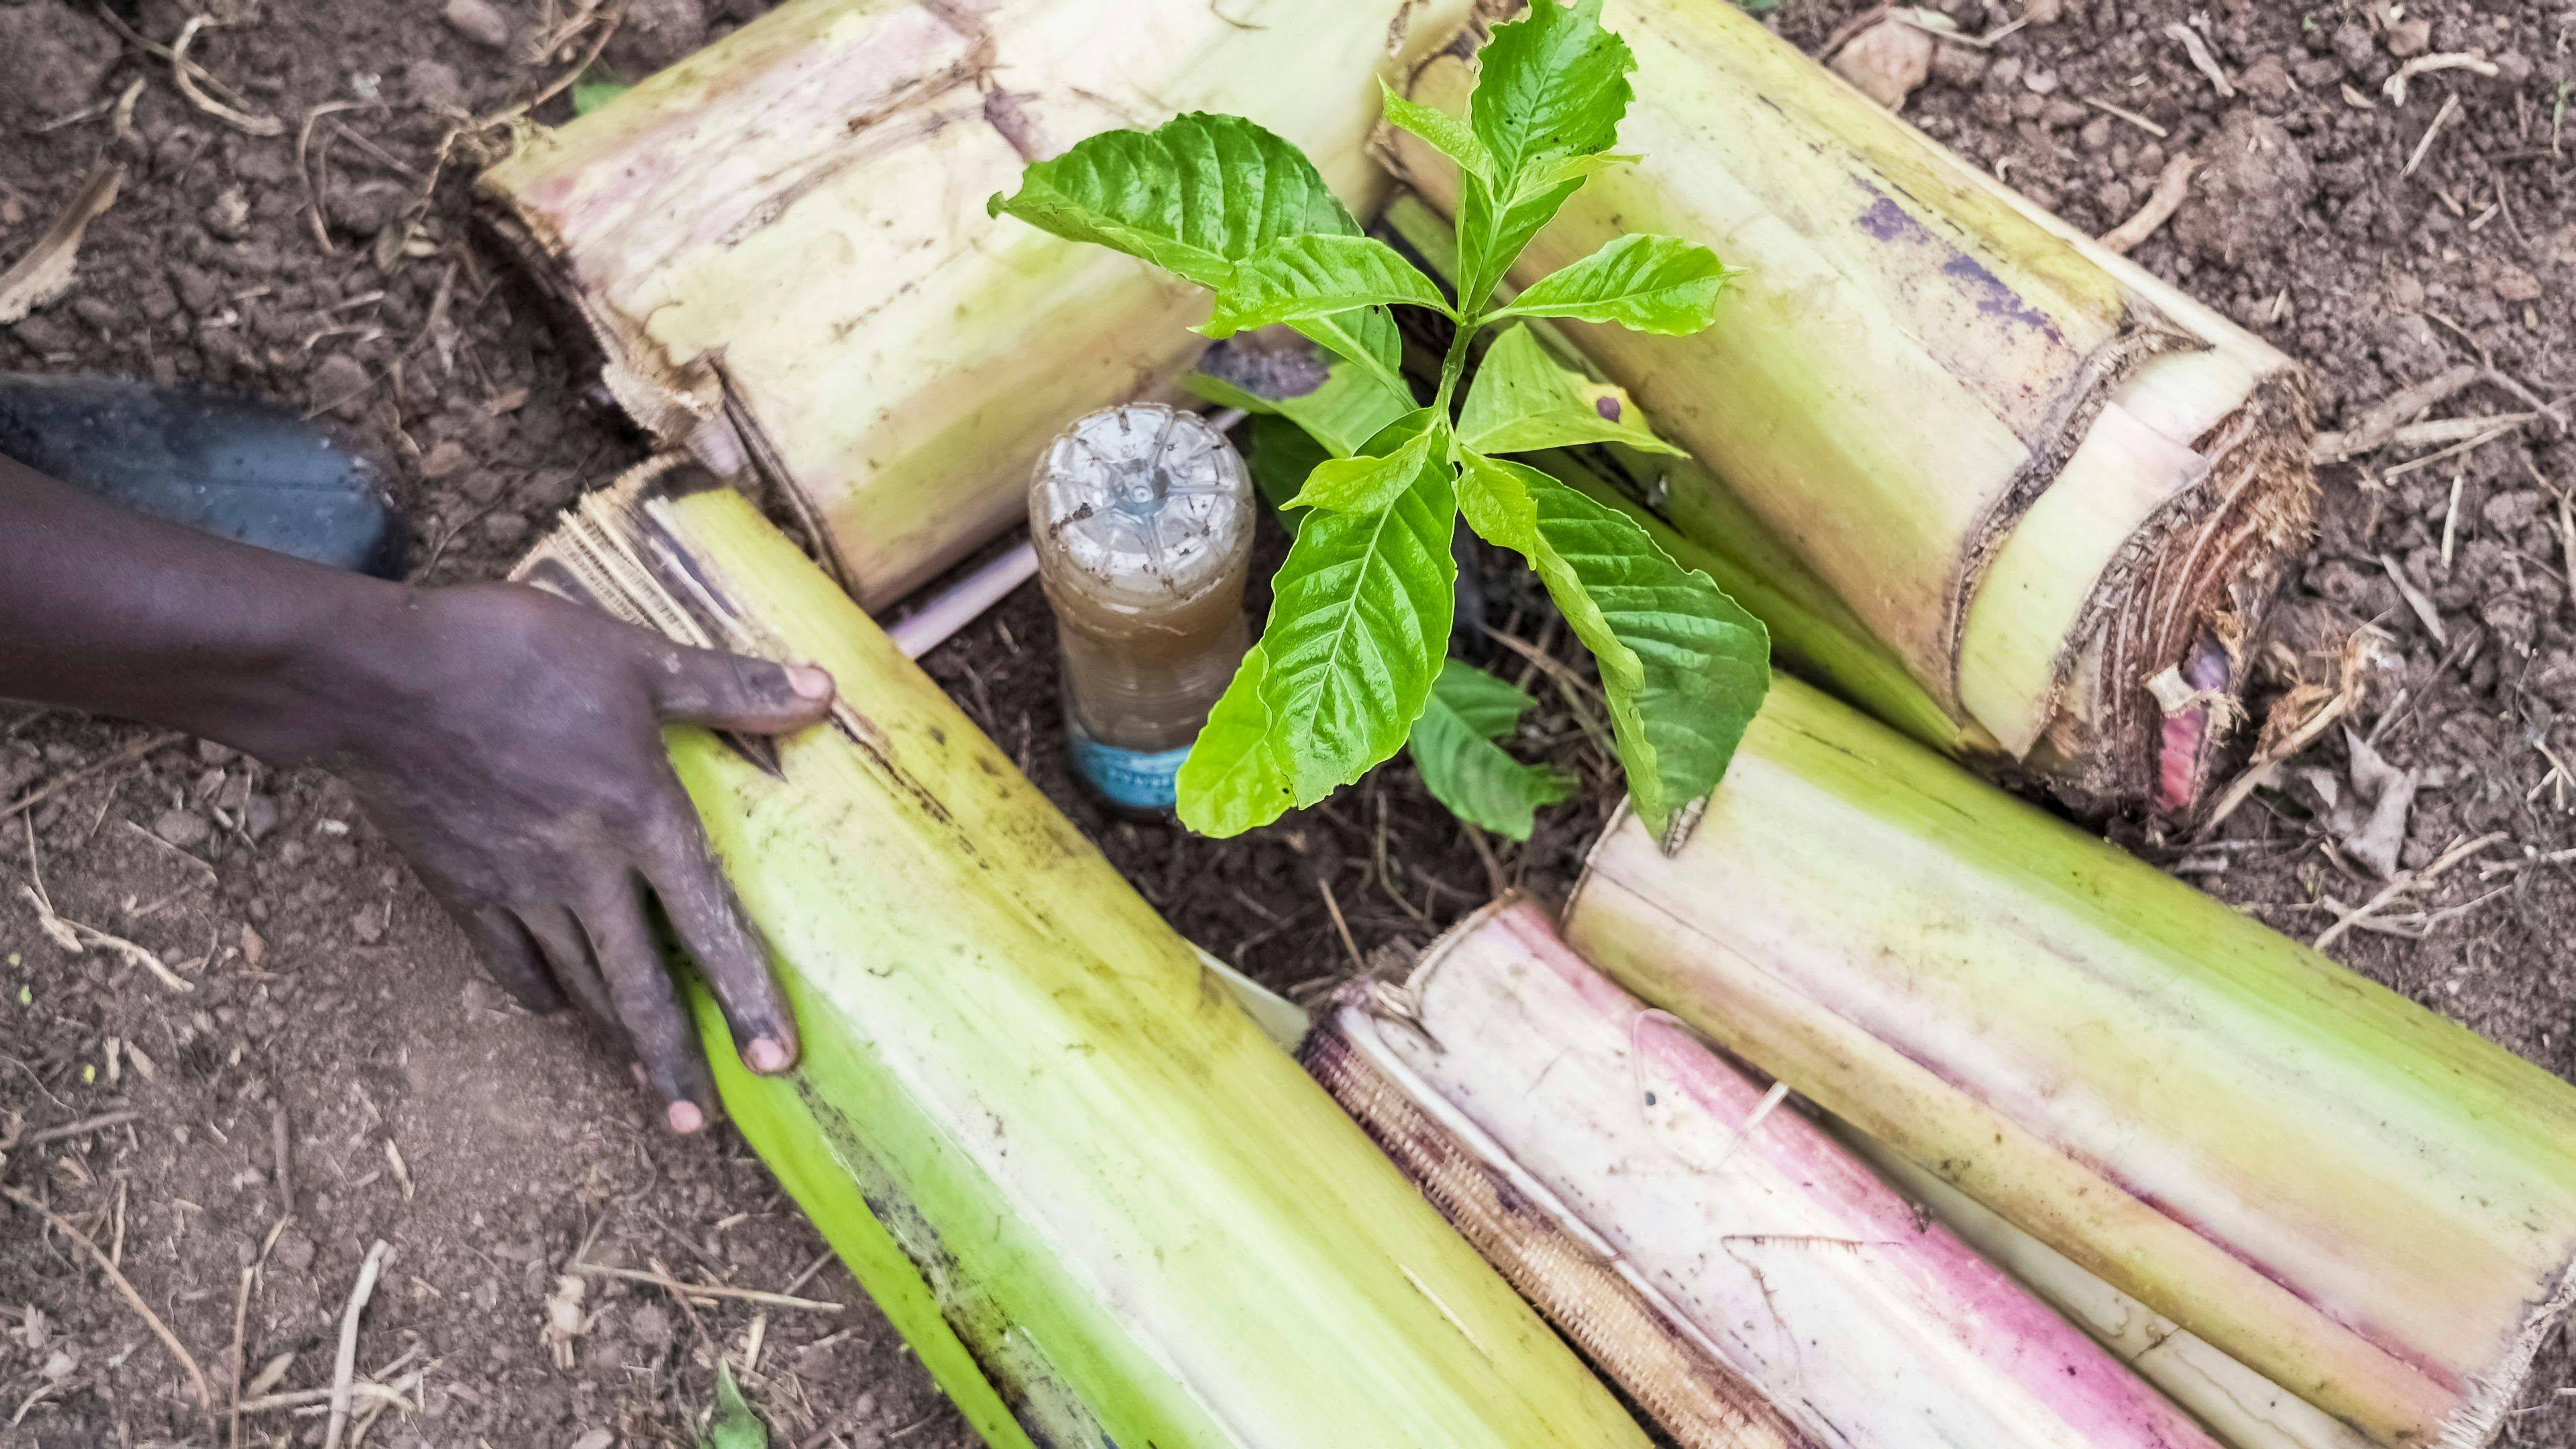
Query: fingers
pixel 648 1005
pixel 710 921
pixel 733 692
pixel 513 957
pixel 567 951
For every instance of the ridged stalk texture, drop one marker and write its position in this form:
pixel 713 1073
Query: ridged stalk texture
pixel 1104 1207
pixel 779 251
pixel 2240 1407
pixel 2039 476
pixel 1742 1274
pixel 2364 1202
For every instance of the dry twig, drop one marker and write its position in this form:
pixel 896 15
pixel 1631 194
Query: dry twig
pixel 2448 60
pixel 241 1323
pixel 125 1287
pixel 2423 609
pixel 1342 928
pixel 2201 59
pixel 2381 421
pixel 191 76
pixel 344 1368
pixel 2442 117
pixel 2172 185
pixel 132 752
pixel 45 272
pixel 679 1289
pixel 100 1122
pixel 2125 114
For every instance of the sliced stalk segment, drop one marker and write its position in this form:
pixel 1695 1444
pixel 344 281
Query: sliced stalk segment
pixel 2364 1202
pixel 1715 1251
pixel 778 249
pixel 2241 1407
pixel 1104 1207
pixel 2038 475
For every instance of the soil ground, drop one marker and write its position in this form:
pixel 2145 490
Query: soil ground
pixel 333 1009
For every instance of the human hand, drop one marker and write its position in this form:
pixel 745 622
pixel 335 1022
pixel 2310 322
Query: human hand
pixel 510 743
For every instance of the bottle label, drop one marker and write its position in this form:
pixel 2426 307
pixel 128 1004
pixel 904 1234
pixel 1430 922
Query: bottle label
pixel 1137 779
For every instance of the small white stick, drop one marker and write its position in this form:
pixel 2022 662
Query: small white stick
pixel 2451 515
pixel 2201 59
pixel 2172 185
pixel 2449 60
pixel 935 622
pixel 344 1368
pixel 2132 117
pixel 670 1284
pixel 2450 108
pixel 2415 600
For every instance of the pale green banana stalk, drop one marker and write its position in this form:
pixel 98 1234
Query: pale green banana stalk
pixel 2364 1202
pixel 2057 489
pixel 1742 1275
pixel 1103 1206
pixel 779 249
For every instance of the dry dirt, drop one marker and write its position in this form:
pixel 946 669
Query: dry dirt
pixel 332 1007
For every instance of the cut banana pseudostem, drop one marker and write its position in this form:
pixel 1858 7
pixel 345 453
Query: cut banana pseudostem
pixel 2058 490
pixel 2364 1202
pixel 779 253
pixel 1741 1274
pixel 1102 1206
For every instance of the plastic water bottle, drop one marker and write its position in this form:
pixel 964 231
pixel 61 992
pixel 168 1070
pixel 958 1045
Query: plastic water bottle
pixel 1142 520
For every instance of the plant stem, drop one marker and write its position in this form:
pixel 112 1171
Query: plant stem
pixel 1454 366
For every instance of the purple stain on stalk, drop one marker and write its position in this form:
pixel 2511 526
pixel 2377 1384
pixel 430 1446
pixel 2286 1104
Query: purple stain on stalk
pixel 1997 299
pixel 1885 220
pixel 1607 406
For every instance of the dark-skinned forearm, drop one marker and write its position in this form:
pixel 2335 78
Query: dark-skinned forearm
pixel 111 612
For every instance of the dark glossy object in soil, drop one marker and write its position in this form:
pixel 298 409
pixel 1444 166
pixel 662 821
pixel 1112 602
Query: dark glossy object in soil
pixel 228 465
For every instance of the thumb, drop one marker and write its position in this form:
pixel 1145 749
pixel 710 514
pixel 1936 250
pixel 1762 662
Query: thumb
pixel 735 692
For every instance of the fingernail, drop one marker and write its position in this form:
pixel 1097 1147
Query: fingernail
pixel 766 1055
pixel 811 682
pixel 685 1117
pixel 636 1070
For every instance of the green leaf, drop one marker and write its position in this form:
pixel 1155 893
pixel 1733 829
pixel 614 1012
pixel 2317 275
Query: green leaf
pixel 1236 776
pixel 1656 284
pixel 1225 392
pixel 1523 400
pixel 1194 196
pixel 1281 457
pixel 1683 667
pixel 1359 622
pixel 595 89
pixel 1453 746
pixel 1575 168
pixel 1447 134
pixel 1299 278
pixel 1491 234
pixel 1370 480
pixel 1552 87
pixel 1367 339
pixel 734 1426
pixel 1276 370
